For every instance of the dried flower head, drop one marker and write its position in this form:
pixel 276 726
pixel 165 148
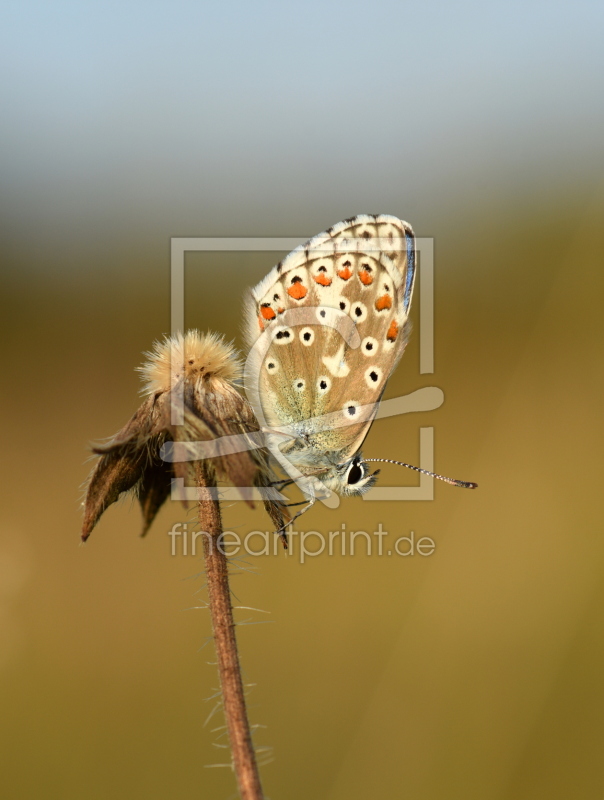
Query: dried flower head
pixel 192 356
pixel 193 375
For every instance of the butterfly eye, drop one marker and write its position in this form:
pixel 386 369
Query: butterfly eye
pixel 355 473
pixel 272 366
pixel 323 384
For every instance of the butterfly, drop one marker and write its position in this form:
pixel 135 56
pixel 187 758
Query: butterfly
pixel 325 329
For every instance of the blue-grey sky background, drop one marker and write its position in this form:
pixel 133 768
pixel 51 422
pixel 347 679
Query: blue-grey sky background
pixel 208 118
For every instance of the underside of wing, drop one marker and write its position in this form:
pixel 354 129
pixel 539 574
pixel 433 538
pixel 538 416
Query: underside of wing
pixel 325 330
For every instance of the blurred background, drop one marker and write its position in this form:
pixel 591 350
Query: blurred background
pixel 475 673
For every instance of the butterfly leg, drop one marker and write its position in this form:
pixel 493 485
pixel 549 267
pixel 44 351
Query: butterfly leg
pixel 281 531
pixel 283 483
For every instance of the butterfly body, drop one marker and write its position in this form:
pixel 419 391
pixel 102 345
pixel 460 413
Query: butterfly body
pixel 325 330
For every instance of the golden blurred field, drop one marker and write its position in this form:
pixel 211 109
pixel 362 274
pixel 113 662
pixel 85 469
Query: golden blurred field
pixel 472 673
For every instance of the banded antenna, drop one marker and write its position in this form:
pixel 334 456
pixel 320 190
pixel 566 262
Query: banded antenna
pixel 452 481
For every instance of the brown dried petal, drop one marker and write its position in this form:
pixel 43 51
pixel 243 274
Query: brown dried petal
pixel 116 472
pixel 227 413
pixel 146 422
pixel 213 408
pixel 123 461
pixel 154 490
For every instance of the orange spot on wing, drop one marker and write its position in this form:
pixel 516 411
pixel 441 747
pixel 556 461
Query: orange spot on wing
pixel 297 291
pixel 392 331
pixel 280 310
pixel 345 273
pixel 261 323
pixel 322 279
pixel 383 302
pixel 365 277
pixel 267 312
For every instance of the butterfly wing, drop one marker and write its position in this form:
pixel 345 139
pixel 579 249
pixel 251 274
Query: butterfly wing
pixel 325 330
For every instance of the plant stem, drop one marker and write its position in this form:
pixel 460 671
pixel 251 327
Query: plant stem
pixel 223 626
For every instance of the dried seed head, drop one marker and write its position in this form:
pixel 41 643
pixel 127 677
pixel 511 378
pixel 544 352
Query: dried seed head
pixel 197 372
pixel 192 356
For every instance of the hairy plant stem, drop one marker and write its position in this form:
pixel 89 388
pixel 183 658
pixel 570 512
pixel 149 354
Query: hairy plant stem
pixel 223 626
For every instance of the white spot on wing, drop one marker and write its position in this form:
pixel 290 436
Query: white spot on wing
pixel 345 264
pixel 358 312
pixel 283 335
pixel 307 336
pixel 336 364
pixel 327 314
pixel 351 409
pixel 369 346
pixel 342 303
pixel 366 231
pixel 321 272
pixel 373 377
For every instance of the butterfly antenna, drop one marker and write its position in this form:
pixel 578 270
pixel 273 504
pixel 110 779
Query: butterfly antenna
pixel 452 481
